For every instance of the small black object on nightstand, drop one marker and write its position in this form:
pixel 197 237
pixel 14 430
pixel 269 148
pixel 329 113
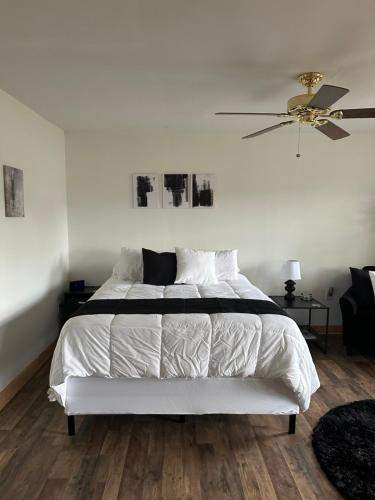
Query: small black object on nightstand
pixel 76 285
pixel 308 331
pixel 73 300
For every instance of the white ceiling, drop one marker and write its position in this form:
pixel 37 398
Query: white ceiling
pixel 92 64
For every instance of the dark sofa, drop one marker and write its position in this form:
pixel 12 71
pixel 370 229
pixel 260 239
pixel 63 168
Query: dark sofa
pixel 358 322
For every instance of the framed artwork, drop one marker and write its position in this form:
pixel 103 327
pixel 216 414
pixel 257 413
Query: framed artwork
pixel 145 190
pixel 13 192
pixel 203 190
pixel 176 191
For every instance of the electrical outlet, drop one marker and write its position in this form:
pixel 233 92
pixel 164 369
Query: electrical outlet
pixel 330 292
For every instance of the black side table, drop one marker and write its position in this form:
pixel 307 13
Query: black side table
pixel 73 300
pixel 308 331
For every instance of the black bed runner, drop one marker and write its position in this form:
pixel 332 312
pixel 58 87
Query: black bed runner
pixel 179 306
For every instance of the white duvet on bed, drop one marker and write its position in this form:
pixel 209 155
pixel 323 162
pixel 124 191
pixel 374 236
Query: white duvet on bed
pixel 183 345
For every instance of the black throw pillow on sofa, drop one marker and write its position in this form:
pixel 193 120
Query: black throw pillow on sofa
pixel 362 288
pixel 159 268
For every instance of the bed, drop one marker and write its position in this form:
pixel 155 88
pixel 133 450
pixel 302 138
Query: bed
pixel 181 349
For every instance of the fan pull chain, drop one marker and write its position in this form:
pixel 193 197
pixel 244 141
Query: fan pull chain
pixel 299 140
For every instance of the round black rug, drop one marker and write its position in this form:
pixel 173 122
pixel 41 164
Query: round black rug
pixel 344 444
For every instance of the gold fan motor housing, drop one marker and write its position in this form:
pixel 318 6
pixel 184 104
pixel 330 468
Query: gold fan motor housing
pixel 298 106
pixel 301 101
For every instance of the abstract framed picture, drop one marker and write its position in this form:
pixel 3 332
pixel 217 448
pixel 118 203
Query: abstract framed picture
pixel 203 190
pixel 176 191
pixel 13 192
pixel 145 190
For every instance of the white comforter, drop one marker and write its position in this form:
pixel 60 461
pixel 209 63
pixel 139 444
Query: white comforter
pixel 183 345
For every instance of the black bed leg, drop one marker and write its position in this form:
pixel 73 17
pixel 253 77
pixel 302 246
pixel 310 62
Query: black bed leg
pixel 71 425
pixel 292 424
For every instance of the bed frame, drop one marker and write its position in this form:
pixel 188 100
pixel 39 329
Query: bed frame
pixel 180 397
pixel 72 425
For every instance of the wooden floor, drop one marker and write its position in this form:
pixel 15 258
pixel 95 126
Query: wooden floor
pixel 208 457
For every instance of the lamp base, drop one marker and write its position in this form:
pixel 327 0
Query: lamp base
pixel 290 287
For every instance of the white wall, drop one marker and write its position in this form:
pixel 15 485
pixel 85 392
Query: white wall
pixel 33 249
pixel 319 209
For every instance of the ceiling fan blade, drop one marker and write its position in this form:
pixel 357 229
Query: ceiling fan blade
pixel 326 96
pixel 256 114
pixel 332 131
pixel 268 129
pixel 357 113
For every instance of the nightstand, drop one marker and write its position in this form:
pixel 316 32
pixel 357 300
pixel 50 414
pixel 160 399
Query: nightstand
pixel 308 331
pixel 73 300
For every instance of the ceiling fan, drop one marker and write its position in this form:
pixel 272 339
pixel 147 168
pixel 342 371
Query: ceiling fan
pixel 314 109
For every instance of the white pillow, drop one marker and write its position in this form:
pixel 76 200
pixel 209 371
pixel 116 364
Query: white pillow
pixel 129 267
pixel 195 267
pixel 226 265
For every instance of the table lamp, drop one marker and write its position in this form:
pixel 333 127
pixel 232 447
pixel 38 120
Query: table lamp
pixel 292 274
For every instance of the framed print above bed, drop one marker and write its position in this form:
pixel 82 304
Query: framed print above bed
pixel 203 186
pixel 145 190
pixel 176 191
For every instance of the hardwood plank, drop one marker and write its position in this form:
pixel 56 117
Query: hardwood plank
pixel 191 473
pixel 307 474
pixel 135 463
pixel 65 464
pixel 172 477
pixel 268 437
pixel 83 484
pixel 5 457
pixel 53 489
pixel 267 491
pixel 79 486
pixel 216 478
pixel 210 478
pixel 254 475
pixel 21 475
pixel 152 483
pixel 337 374
pixel 118 454
pixel 249 481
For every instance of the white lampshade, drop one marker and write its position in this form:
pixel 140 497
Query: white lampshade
pixel 292 270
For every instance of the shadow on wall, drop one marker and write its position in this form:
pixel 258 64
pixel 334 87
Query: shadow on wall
pixel 93 266
pixel 259 275
pixel 26 334
pixel 324 278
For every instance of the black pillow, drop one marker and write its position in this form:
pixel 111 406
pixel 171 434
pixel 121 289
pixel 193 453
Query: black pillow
pixel 159 268
pixel 362 288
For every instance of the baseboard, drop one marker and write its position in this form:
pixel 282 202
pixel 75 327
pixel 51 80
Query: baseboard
pixel 22 378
